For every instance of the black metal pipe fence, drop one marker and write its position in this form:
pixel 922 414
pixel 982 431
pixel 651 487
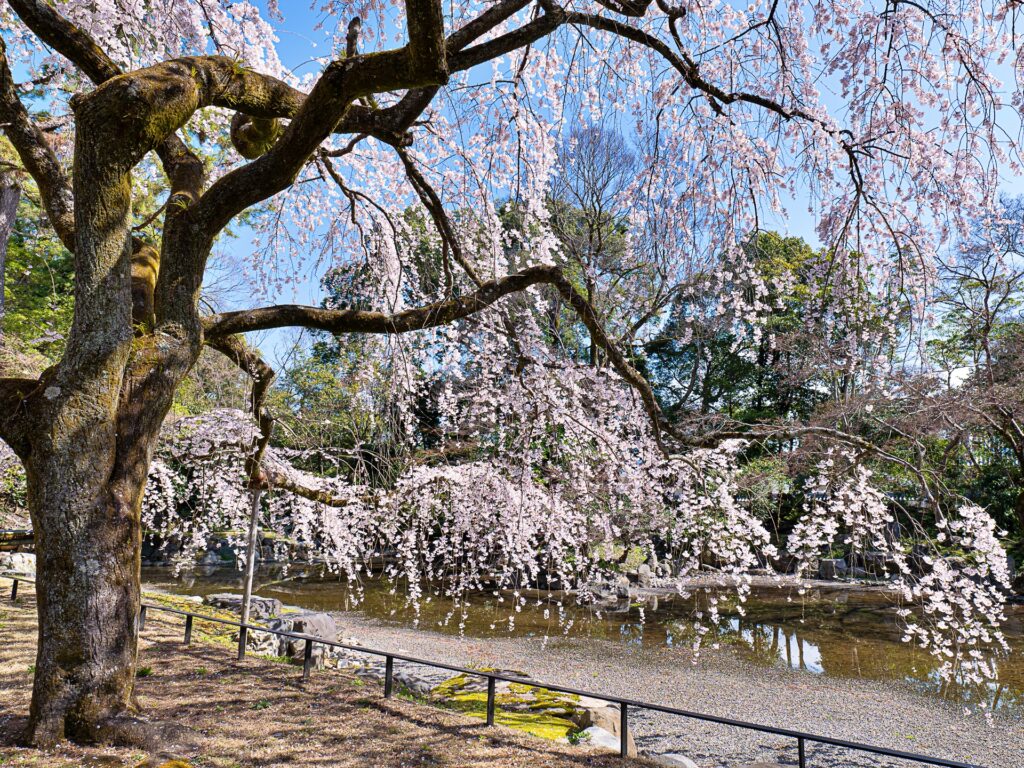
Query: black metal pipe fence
pixel 492 678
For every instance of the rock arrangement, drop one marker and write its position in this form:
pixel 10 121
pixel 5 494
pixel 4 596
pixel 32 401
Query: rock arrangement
pixel 22 563
pixel 259 607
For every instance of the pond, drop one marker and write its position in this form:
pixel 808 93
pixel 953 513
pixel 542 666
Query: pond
pixel 849 632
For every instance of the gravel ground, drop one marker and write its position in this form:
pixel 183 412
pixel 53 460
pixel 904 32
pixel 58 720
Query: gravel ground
pixel 883 714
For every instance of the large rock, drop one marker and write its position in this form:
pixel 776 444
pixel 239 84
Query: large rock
pixel 1018 583
pixel 878 564
pixel 784 562
pixel 267 643
pixel 260 608
pixel 311 623
pixel 23 563
pixel 832 568
pixel 621 586
pixel 675 760
pixel 602 739
pixel 315 624
pixel 605 718
pixel 644 575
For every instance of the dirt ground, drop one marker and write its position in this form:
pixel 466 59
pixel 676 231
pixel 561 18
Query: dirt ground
pixel 258 713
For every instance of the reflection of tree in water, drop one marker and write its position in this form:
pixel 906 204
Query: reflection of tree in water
pixel 859 643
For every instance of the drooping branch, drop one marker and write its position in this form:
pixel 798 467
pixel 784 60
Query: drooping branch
pixel 260 474
pixel 432 202
pixel 438 314
pixel 36 155
pixel 262 375
pixel 717 96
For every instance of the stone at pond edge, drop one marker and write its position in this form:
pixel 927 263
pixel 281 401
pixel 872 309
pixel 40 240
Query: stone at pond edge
pixel 266 643
pixel 315 624
pixel 832 568
pixel 307 623
pixel 605 717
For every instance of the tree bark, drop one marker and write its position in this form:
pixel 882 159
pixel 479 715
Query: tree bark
pixel 87 561
pixel 86 479
pixel 87 429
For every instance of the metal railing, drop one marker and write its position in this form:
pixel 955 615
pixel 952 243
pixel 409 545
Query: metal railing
pixel 625 704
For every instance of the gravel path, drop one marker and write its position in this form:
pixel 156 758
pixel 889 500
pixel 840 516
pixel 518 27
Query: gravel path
pixel 889 715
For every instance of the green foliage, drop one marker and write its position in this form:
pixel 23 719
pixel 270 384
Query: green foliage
pixel 700 363
pixel 38 285
pixel 214 382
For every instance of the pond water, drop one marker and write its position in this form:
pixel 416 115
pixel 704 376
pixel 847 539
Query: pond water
pixel 851 633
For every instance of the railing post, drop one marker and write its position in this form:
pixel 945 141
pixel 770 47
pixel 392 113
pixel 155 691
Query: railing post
pixel 242 632
pixel 490 700
pixel 389 671
pixel 307 659
pixel 142 618
pixel 623 730
pixel 801 759
pixel 188 629
pixel 14 590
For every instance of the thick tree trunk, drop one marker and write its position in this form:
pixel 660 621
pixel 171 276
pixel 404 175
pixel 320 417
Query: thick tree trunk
pixel 86 471
pixel 87 559
pixel 86 479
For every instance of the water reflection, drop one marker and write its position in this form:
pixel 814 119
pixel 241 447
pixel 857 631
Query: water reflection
pixel 830 632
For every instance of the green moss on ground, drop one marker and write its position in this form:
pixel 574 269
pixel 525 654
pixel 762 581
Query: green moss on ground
pixel 528 708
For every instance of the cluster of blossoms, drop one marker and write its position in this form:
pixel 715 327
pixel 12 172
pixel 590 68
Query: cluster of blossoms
pixel 962 595
pixel 494 523
pixel 954 584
